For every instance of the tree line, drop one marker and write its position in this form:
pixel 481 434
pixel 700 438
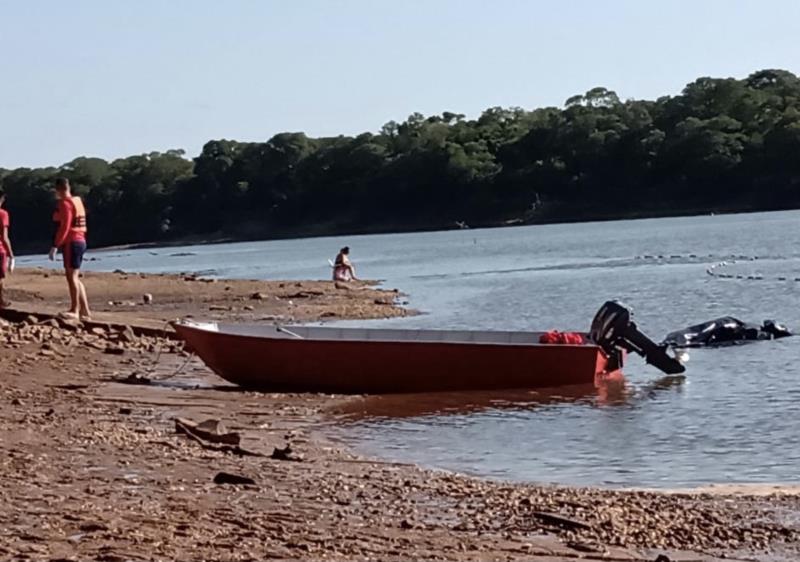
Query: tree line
pixel 723 144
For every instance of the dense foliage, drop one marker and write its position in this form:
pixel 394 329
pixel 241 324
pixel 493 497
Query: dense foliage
pixel 721 145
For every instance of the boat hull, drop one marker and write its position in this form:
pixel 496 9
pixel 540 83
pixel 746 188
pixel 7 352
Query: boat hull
pixel 353 366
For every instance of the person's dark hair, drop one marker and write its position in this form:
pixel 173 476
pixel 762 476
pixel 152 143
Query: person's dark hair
pixel 2 193
pixel 62 184
pixel 345 250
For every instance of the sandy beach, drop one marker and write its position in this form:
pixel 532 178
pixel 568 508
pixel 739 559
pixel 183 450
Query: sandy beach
pixel 102 460
pixel 120 297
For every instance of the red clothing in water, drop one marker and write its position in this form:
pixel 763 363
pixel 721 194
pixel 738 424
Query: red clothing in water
pixel 65 216
pixel 5 222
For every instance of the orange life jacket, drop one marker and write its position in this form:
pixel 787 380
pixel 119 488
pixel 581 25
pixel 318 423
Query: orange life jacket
pixel 79 217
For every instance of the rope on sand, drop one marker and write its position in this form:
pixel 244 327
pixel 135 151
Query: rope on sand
pixel 151 370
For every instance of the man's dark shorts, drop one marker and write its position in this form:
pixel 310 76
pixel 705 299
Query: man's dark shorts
pixel 73 254
pixel 3 265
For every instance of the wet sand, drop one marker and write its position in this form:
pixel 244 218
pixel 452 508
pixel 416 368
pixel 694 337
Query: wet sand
pixel 92 468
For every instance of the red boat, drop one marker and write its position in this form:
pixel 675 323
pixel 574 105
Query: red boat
pixel 377 361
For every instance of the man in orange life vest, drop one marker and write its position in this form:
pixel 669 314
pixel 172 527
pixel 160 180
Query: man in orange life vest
pixel 6 254
pixel 71 240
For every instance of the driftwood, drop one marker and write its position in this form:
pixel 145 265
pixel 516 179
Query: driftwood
pixel 211 435
pixel 233 449
pixel 213 431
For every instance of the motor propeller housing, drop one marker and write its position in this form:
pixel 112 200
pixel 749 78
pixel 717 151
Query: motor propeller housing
pixel 613 330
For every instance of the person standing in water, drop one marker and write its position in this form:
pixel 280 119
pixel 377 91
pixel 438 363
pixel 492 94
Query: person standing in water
pixel 71 240
pixel 6 253
pixel 343 269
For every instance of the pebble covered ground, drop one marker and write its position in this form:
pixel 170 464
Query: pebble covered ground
pixel 92 468
pixel 133 297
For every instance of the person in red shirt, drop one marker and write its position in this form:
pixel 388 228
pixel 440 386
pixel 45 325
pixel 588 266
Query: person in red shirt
pixel 71 240
pixel 6 253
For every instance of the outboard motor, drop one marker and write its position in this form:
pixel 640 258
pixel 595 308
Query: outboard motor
pixel 613 330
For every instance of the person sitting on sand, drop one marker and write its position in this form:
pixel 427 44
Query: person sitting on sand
pixel 6 253
pixel 71 240
pixel 343 269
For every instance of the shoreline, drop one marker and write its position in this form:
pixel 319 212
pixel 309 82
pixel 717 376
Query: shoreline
pixel 216 238
pixel 389 230
pixel 120 297
pixel 123 483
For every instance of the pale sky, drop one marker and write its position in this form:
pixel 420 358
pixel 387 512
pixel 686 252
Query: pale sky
pixel 115 78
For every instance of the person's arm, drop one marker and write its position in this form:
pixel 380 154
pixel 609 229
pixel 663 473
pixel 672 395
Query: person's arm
pixel 66 216
pixel 5 241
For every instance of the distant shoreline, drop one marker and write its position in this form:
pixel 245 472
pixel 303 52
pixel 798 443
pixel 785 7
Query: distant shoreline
pixel 228 239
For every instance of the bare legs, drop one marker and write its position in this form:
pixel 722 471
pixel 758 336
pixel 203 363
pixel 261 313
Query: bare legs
pixel 79 303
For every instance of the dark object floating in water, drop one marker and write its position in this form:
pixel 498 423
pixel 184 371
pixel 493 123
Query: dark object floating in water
pixel 725 331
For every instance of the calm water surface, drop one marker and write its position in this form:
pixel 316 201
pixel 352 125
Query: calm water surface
pixel 734 418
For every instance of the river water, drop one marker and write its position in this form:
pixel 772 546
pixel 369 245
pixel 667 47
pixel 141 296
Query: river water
pixel 733 419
